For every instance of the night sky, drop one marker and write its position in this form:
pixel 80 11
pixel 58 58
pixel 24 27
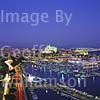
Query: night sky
pixel 83 30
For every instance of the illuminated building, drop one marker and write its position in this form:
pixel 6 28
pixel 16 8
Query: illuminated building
pixel 50 49
pixel 81 52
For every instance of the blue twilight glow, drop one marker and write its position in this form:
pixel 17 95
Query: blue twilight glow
pixel 83 29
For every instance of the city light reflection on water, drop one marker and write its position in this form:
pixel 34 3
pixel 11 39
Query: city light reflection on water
pixel 91 84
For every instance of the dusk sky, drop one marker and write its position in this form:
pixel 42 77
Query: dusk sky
pixel 82 31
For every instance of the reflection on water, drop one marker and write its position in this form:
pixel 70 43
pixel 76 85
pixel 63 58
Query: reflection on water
pixel 62 77
pixel 79 82
pixel 92 83
pixel 50 73
pixel 49 94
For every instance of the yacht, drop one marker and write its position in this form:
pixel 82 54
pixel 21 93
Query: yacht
pixel 35 79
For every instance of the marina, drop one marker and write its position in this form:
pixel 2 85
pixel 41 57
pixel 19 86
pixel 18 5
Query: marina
pixel 45 73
